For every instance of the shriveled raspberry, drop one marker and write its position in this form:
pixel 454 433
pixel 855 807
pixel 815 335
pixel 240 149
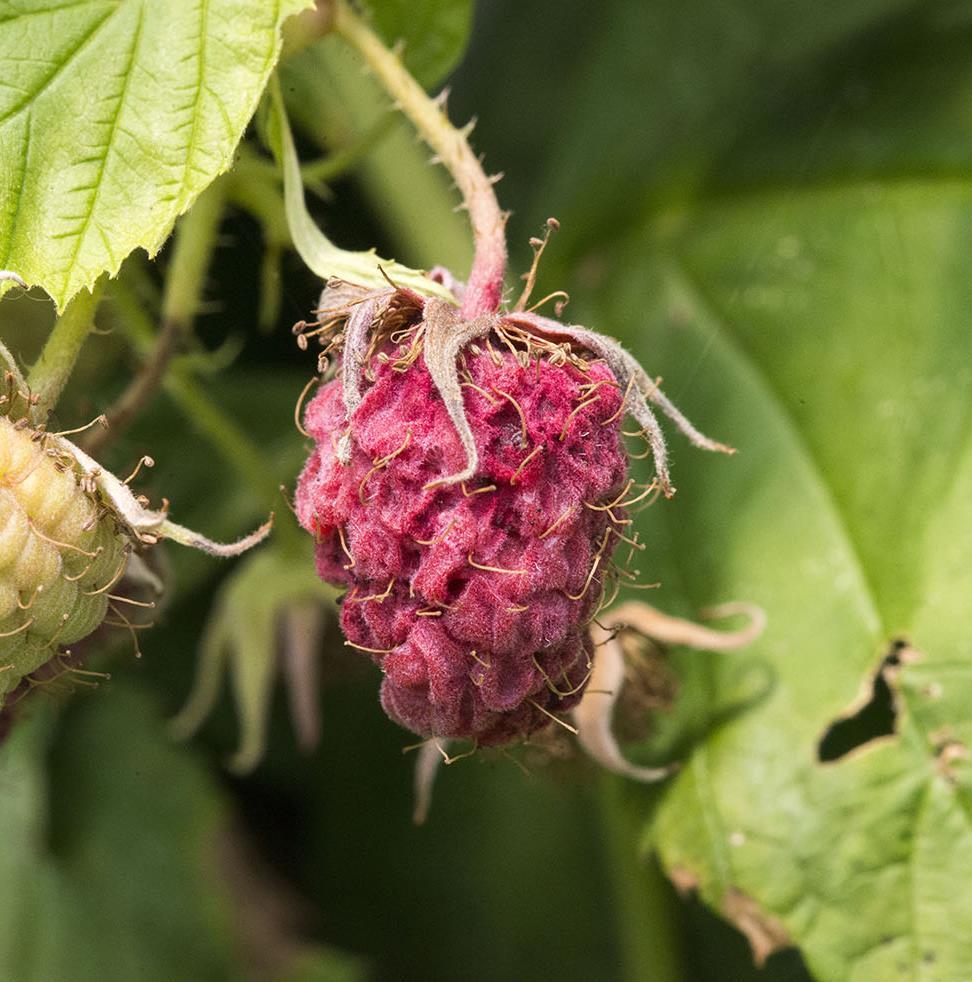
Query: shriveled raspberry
pixel 470 501
pixel 60 552
pixel 473 597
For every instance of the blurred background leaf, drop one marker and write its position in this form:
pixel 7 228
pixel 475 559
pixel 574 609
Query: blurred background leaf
pixel 118 859
pixel 797 271
pixel 71 906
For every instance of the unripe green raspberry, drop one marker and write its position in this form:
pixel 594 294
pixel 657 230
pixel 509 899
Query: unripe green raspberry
pixel 61 551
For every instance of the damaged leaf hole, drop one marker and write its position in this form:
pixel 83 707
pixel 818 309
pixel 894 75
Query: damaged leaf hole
pixel 876 718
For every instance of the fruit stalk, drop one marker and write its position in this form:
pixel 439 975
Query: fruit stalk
pixel 485 285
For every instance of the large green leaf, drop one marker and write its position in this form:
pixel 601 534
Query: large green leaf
pixel 114 116
pixel 807 300
pixel 660 88
pixel 825 346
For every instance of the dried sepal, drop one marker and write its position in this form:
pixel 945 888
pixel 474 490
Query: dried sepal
pixel 445 337
pixel 302 637
pixel 639 389
pixel 595 714
pixel 224 550
pixel 147 525
pixel 357 334
pixel 652 623
pixel 594 717
pixel 431 756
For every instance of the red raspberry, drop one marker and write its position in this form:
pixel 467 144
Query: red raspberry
pixel 473 597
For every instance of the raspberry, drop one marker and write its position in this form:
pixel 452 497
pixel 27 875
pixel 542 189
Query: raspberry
pixel 474 597
pixel 469 501
pixel 60 552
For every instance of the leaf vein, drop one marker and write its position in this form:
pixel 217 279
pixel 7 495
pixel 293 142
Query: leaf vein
pixel 721 323
pixel 60 8
pixel 60 69
pixel 196 103
pixel 108 146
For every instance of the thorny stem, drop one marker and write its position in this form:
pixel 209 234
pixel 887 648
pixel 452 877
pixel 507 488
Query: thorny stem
pixel 485 286
pixel 414 201
pixel 52 370
pixel 195 239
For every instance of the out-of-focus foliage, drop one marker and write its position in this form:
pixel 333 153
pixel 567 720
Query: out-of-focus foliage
pixel 71 907
pixel 247 640
pixel 117 858
pixel 827 342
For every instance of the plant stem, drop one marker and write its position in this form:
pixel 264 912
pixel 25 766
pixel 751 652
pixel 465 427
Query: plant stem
pixel 451 146
pixel 229 440
pixel 336 105
pixel 645 918
pixel 52 370
pixel 139 392
pixel 194 243
pixel 195 239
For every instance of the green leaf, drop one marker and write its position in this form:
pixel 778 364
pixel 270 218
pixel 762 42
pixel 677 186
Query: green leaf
pixel 823 332
pixel 696 72
pixel 808 302
pixel 433 32
pixel 119 859
pixel 114 116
